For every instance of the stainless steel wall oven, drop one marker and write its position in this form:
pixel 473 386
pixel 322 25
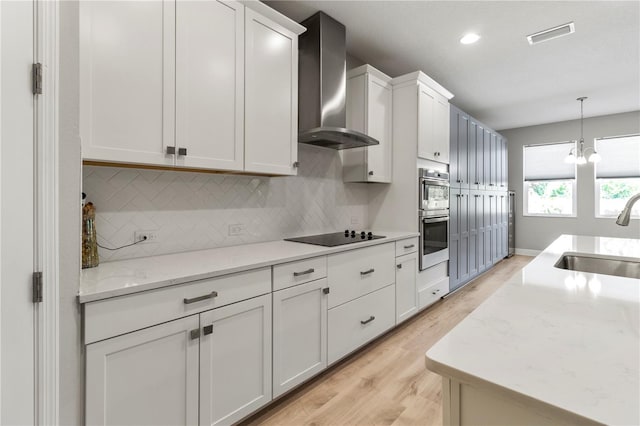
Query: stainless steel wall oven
pixel 434 217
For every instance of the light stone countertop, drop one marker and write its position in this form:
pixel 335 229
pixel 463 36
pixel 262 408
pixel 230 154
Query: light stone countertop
pixel 123 277
pixel 556 337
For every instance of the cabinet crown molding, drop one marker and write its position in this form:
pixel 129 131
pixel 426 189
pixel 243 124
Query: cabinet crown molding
pixel 274 15
pixel 418 77
pixel 368 69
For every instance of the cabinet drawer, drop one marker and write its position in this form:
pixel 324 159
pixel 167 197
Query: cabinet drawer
pixel 355 323
pixel 407 246
pixel 433 275
pixel 430 295
pixel 358 272
pixel 294 273
pixel 119 315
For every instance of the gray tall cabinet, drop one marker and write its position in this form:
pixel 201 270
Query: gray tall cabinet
pixel 478 231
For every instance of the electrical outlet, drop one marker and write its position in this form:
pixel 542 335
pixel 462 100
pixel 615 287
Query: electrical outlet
pixel 147 236
pixel 236 229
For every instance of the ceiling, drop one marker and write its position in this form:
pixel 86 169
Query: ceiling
pixel 501 80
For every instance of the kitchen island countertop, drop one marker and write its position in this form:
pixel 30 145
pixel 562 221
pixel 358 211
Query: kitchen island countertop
pixel 557 338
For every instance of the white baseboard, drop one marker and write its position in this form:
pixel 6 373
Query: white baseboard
pixel 527 252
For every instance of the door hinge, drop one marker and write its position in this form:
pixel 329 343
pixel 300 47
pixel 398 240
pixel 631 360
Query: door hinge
pixel 36 78
pixel 37 287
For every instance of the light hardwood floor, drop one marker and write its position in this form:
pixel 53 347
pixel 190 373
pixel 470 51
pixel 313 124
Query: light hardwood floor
pixel 387 383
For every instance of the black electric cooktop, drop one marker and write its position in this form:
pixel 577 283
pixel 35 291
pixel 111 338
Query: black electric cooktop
pixel 336 238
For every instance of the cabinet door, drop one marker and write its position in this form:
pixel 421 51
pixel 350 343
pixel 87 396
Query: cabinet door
pixel 479 181
pixel 126 77
pixel 494 227
pixel 453 147
pixel 478 199
pixel 433 125
pixel 472 177
pixel 299 334
pixel 235 360
pixel 210 84
pixel 148 377
pixel 487 159
pixel 473 234
pixel 441 129
pixel 454 237
pixel 407 302
pixel 493 170
pixel 505 164
pixel 462 179
pixel 463 250
pixel 271 96
pixel 379 121
pixel 488 259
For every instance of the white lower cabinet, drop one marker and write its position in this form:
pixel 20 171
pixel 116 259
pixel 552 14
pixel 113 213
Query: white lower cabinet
pixel 148 377
pixel 235 360
pixel 431 294
pixel 406 289
pixel 299 334
pixel 353 324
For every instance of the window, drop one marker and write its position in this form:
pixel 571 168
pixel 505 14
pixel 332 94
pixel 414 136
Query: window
pixel 617 175
pixel 549 182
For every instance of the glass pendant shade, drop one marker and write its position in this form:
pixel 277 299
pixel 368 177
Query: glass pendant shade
pixel 595 157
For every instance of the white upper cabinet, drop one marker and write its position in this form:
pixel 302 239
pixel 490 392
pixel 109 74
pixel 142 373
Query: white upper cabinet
pixel 433 125
pixel 369 111
pixel 210 84
pixel 196 84
pixel 271 93
pixel 126 81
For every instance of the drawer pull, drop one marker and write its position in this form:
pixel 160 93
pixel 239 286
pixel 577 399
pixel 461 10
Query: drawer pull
pixel 208 329
pixel 371 318
pixel 308 271
pixel 399 266
pixel 370 271
pixel 409 246
pixel 436 292
pixel 200 298
pixel 326 290
pixel 194 334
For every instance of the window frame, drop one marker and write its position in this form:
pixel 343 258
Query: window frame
pixel 596 184
pixel 574 201
pixel 573 182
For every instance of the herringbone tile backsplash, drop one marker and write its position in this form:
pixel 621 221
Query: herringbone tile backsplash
pixel 193 211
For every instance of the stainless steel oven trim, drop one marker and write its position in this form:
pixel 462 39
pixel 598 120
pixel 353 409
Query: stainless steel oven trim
pixel 435 219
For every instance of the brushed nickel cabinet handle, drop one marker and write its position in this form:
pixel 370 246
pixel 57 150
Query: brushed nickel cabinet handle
pixel 206 330
pixel 409 246
pixel 194 334
pixel 200 298
pixel 171 150
pixel 371 173
pixel 296 164
pixel 370 271
pixel 308 271
pixel 371 318
pixel 399 266
pixel 182 151
pixel 326 290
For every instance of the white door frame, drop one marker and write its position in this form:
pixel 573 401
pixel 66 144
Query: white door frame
pixel 47 260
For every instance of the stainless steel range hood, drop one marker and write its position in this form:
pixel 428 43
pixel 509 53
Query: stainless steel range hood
pixel 322 84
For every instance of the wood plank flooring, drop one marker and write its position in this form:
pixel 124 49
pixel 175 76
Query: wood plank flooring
pixel 387 382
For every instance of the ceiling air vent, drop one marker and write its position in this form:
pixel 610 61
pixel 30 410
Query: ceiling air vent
pixel 551 33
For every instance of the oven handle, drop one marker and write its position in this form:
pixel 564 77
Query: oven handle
pixel 435 182
pixel 435 219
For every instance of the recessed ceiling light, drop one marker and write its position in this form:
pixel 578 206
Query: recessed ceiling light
pixel 551 33
pixel 469 38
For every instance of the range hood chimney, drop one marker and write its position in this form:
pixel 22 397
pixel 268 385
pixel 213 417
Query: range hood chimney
pixel 322 84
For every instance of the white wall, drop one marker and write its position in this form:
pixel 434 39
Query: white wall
pixel 535 233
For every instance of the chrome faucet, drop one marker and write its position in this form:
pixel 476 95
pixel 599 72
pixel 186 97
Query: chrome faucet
pixel 625 214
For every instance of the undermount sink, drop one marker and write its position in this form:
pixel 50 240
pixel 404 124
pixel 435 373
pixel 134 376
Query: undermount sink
pixel 608 265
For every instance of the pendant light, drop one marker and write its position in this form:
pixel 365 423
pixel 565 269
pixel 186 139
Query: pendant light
pixel 579 157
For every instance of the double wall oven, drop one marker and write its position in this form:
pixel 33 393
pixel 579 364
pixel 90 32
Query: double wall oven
pixel 434 217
